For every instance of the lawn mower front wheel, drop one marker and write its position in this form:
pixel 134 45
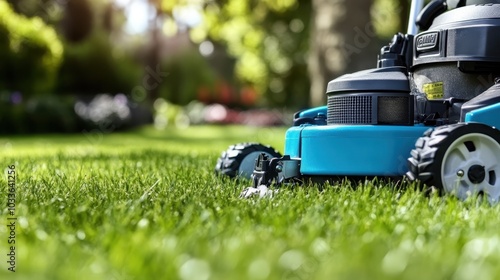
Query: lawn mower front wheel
pixel 460 159
pixel 239 160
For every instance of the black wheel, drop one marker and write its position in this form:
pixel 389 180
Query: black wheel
pixel 460 159
pixel 239 160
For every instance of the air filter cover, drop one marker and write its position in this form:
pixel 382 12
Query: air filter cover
pixel 375 96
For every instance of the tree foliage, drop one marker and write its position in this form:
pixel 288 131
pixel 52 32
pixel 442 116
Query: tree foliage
pixel 272 44
pixel 50 11
pixel 191 74
pixel 390 17
pixel 94 66
pixel 30 52
pixel 268 40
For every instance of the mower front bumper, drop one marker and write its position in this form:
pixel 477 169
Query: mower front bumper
pixel 352 150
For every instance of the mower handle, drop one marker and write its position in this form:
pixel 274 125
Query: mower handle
pixel 430 12
pixel 415 9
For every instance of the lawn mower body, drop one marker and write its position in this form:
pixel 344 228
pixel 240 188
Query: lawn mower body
pixel 429 111
pixel 363 150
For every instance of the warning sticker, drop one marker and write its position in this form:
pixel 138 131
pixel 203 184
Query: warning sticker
pixel 434 90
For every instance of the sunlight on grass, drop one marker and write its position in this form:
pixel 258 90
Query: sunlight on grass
pixel 199 139
pixel 147 205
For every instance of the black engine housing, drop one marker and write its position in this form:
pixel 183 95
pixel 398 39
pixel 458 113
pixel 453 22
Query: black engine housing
pixel 455 60
pixel 376 96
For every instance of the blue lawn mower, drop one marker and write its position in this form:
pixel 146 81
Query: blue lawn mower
pixel 428 112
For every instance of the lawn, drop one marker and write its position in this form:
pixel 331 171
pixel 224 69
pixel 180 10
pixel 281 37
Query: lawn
pixel 146 205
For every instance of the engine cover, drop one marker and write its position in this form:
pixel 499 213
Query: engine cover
pixel 459 56
pixel 375 96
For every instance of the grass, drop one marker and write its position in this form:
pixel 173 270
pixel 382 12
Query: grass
pixel 146 205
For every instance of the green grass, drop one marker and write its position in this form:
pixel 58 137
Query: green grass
pixel 146 205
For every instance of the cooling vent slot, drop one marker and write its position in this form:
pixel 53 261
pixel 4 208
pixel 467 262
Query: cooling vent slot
pixel 375 108
pixel 349 110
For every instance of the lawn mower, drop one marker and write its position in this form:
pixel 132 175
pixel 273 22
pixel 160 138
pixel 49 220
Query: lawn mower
pixel 429 112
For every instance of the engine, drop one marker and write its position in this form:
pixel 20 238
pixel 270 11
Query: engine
pixel 425 78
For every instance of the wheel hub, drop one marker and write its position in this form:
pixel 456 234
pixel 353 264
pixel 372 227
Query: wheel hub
pixel 476 174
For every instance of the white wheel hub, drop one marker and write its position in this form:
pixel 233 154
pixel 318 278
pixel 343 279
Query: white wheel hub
pixel 470 167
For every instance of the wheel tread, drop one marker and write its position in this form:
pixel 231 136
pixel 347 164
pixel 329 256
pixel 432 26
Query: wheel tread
pixel 229 161
pixel 424 163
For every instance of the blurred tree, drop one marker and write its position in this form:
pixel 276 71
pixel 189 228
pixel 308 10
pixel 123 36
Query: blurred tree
pixel 390 17
pixel 93 62
pixel 191 73
pixel 30 53
pixel 93 66
pixel 109 22
pixel 99 56
pixel 268 40
pixel 153 60
pixel 250 29
pixel 271 40
pixel 51 11
pixel 343 39
pixel 404 8
pixel 78 20
pixel 280 46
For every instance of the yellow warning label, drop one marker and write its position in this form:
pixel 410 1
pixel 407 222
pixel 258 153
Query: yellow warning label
pixel 434 90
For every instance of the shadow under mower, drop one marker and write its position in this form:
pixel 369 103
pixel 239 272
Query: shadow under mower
pixel 428 112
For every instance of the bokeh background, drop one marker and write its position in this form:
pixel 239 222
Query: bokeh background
pixel 74 65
